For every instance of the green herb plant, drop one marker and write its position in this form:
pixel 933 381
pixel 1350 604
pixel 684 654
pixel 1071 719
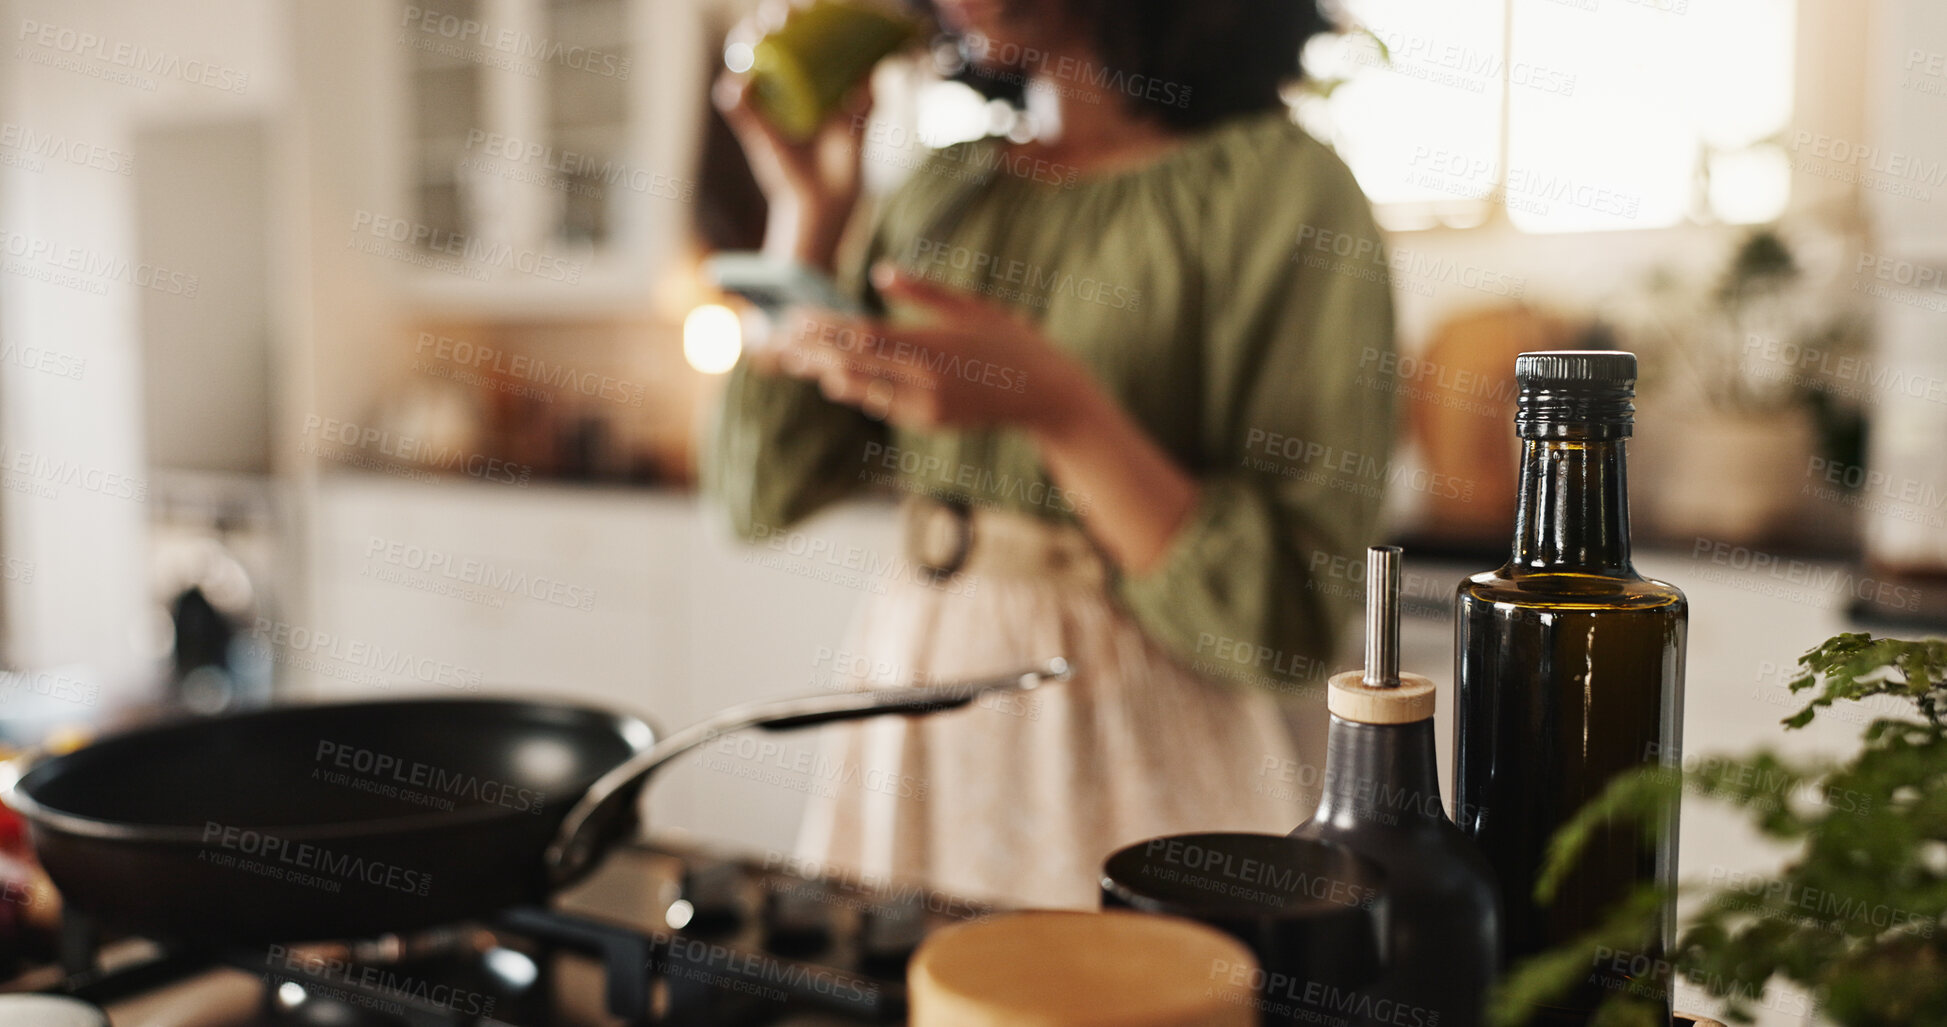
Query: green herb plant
pixel 1855 918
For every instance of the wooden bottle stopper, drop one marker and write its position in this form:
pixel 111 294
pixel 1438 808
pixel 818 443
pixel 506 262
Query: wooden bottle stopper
pixel 1350 698
pixel 1069 969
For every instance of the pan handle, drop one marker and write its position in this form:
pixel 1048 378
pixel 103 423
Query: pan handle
pixel 593 820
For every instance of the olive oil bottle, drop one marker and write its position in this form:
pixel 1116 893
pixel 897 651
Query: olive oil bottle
pixel 1382 800
pixel 1569 667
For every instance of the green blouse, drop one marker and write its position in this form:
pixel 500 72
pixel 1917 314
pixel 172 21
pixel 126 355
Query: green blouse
pixel 1232 295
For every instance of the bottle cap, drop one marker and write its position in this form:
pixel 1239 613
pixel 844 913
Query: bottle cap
pixel 1575 394
pixel 1568 366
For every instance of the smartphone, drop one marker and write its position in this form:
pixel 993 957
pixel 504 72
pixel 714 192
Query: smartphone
pixel 776 285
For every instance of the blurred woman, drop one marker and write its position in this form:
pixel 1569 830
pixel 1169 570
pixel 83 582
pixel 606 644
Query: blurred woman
pixel 1125 372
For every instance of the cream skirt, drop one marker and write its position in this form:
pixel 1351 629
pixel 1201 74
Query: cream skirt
pixel 1018 800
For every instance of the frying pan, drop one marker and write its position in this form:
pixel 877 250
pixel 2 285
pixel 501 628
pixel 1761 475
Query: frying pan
pixel 352 820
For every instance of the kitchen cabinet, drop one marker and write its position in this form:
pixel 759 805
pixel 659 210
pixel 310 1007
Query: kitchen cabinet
pixel 643 605
pixel 546 161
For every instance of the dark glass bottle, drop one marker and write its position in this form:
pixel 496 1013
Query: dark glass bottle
pixel 1381 799
pixel 1570 671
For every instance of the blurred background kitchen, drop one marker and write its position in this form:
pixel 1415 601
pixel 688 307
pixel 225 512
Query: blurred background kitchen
pixel 345 352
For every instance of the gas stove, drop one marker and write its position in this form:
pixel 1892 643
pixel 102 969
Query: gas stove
pixel 661 933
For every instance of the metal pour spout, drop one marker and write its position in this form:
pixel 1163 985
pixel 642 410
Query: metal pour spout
pixel 1382 617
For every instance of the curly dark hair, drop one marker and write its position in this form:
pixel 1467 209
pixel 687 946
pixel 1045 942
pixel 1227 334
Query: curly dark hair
pixel 1186 63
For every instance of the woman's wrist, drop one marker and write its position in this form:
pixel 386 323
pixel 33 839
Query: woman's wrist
pixel 1134 497
pixel 1064 401
pixel 804 233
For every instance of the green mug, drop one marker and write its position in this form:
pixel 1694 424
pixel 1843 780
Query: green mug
pixel 800 72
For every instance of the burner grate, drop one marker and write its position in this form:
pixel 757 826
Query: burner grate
pixel 658 936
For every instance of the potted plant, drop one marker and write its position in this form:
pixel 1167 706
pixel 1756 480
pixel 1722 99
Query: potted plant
pixel 1747 373
pixel 1854 918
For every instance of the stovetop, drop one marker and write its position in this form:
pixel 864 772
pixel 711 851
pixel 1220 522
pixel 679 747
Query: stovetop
pixel 660 933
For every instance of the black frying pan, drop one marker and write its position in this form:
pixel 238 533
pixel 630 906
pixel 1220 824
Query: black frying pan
pixel 352 820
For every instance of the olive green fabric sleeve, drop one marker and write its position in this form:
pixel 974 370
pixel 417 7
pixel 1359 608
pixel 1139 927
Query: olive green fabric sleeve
pixel 778 451
pixel 1295 435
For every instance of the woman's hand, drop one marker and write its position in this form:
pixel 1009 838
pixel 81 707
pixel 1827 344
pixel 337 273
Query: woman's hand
pixel 980 364
pixel 977 364
pixel 811 186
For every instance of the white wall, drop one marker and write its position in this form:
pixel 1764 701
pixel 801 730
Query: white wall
pixel 1907 84
pixel 86 73
pixel 201 196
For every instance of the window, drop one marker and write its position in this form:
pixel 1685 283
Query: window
pixel 1564 115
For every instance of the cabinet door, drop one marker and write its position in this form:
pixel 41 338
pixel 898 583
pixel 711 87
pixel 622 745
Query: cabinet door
pixel 476 588
pixel 546 159
pixel 626 599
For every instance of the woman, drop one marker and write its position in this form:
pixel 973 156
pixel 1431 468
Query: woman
pixel 1138 419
